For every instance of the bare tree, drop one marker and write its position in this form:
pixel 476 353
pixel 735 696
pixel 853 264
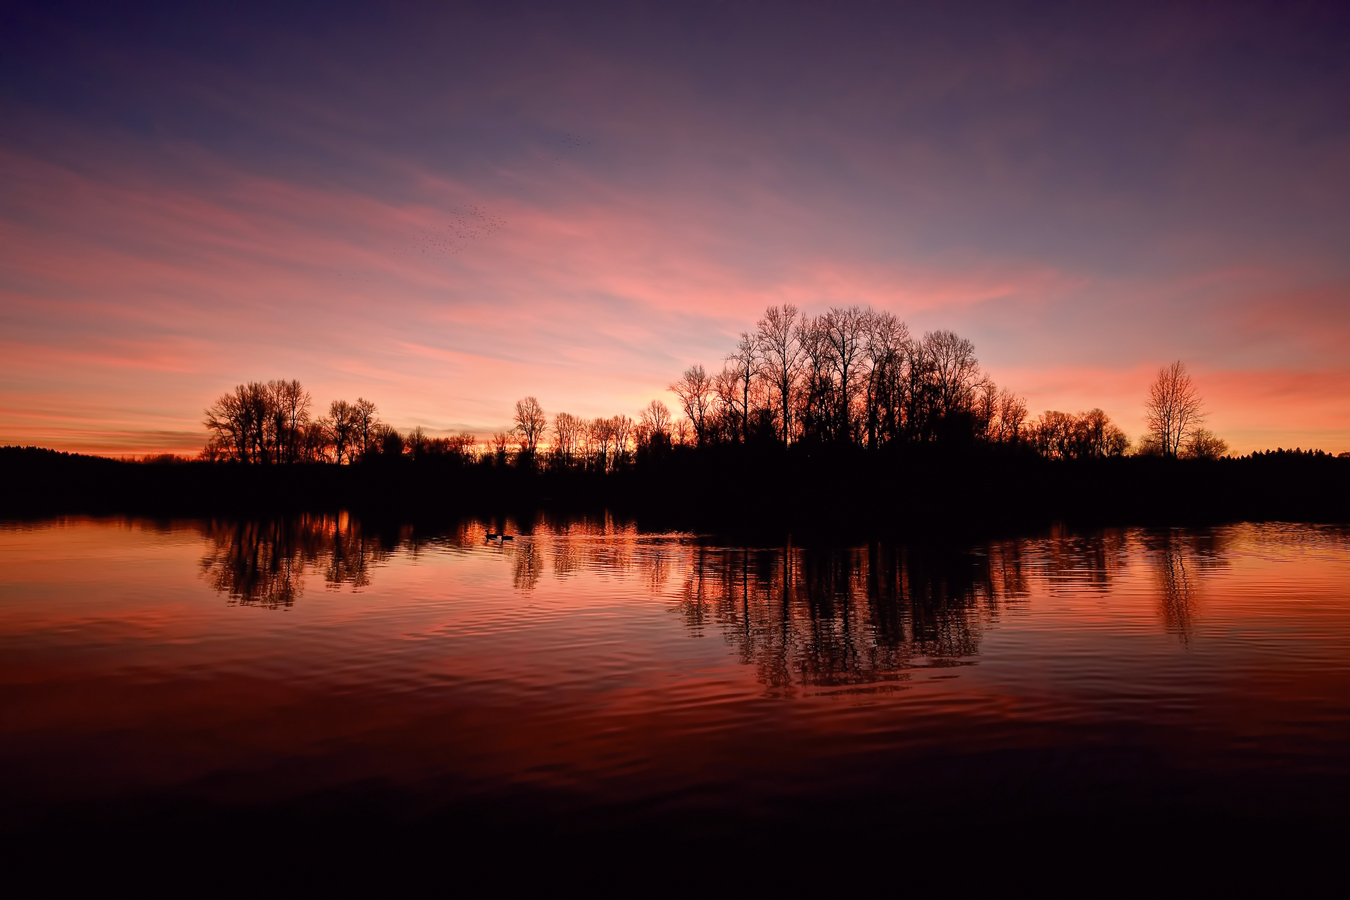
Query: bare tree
pixel 567 434
pixel 1117 442
pixel 417 442
pixel 884 353
pixel 289 416
pixel 499 442
pixel 845 331
pixel 985 408
pixel 1174 410
pixel 530 425
pixel 781 359
pixel 815 397
pixel 656 417
pixel 341 425
pixel 227 419
pixel 464 445
pixel 243 423
pixel 315 442
pixel 1095 427
pixel 621 429
pixel 599 440
pixel 1089 435
pixel 261 423
pixel 1101 435
pixel 458 448
pixel 1012 414
pixel 653 428
pixel 727 405
pixel 955 370
pixel 1205 444
pixel 681 431
pixel 387 442
pixel 1054 435
pixel 365 425
pixel 745 363
pixel 696 391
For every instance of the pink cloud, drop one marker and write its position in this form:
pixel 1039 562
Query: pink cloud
pixel 127 290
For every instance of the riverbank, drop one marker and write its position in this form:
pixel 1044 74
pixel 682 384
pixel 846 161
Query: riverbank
pixel 820 494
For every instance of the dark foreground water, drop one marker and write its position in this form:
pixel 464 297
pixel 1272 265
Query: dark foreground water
pixel 586 701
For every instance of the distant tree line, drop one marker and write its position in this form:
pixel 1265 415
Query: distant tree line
pixel 851 376
pixel 273 422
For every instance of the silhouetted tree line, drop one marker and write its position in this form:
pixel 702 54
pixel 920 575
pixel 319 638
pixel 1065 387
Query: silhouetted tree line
pixel 273 422
pixel 1295 455
pixel 815 494
pixel 851 377
pixel 815 425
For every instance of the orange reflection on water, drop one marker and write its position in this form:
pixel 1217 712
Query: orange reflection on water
pixel 271 659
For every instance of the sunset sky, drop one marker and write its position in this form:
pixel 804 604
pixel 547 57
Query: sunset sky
pixel 444 208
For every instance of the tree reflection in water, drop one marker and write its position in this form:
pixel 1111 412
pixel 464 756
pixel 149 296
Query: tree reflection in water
pixel 851 619
pixel 264 563
pixel 1180 559
pixel 847 617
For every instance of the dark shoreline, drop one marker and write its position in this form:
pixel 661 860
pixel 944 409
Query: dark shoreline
pixel 821 495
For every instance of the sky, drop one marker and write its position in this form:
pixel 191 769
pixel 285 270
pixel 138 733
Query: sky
pixel 446 207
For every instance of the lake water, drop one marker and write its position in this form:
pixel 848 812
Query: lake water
pixel 585 686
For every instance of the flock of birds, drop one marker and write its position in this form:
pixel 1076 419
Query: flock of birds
pixel 558 147
pixel 472 223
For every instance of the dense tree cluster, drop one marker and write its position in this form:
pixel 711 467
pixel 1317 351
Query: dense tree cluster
pixel 599 445
pixel 1089 435
pixel 851 377
pixel 265 423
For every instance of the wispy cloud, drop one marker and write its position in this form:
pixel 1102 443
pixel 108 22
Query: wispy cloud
pixel 1086 199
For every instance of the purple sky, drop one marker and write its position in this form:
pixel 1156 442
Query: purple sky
pixel 445 210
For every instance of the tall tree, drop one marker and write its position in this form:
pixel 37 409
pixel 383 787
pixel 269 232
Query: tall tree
pixel 621 431
pixel 567 434
pixel 955 371
pixel 1174 410
pixel 1012 413
pixel 290 414
pixel 226 420
pixel 887 338
pixel 656 418
pixel 696 391
pixel 845 331
pixel 499 441
pixel 530 425
pixel 341 425
pixel 815 397
pixel 599 441
pixel 781 358
pixel 242 422
pixel 744 363
pixel 366 423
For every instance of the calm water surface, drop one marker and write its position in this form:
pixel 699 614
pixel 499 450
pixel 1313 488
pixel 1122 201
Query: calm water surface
pixel 586 679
